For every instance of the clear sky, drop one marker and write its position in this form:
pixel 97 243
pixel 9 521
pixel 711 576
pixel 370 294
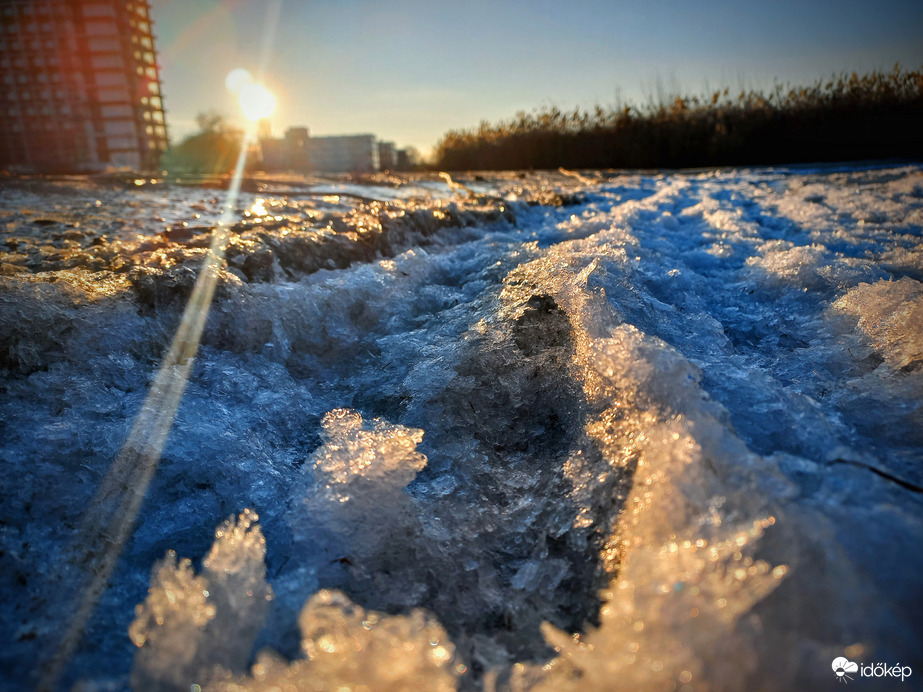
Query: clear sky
pixel 409 70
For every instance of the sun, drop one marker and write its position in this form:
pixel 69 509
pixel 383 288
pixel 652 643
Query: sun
pixel 256 101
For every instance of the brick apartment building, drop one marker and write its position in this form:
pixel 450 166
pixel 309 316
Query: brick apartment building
pixel 80 86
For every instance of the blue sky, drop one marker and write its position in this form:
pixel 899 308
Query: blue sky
pixel 409 70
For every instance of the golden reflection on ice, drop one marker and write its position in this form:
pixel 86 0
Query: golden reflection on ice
pixel 259 207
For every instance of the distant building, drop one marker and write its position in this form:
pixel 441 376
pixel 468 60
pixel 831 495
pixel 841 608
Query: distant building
pixel 289 153
pixel 297 151
pixel 343 154
pixel 80 86
pixel 297 147
pixel 403 160
pixel 387 156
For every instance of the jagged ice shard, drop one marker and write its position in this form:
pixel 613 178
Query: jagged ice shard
pixel 544 432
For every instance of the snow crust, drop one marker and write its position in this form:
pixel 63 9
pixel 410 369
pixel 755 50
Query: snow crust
pixel 666 435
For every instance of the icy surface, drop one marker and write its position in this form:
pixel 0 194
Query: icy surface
pixel 539 432
pixel 182 627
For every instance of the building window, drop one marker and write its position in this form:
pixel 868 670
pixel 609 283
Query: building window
pixel 109 95
pixel 119 111
pixel 120 127
pixel 107 61
pixel 98 10
pixel 104 44
pixel 121 143
pixel 110 79
pixel 101 29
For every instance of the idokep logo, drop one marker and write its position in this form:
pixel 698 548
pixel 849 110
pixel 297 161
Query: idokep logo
pixel 845 670
pixel 842 667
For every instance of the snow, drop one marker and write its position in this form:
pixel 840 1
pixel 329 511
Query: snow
pixel 661 432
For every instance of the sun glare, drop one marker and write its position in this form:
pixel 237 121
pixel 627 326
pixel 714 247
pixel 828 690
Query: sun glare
pixel 256 101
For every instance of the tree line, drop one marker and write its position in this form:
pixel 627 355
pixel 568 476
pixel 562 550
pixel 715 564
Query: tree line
pixel 848 117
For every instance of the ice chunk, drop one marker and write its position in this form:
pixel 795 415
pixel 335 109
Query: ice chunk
pixel 350 648
pixel 356 454
pixel 356 493
pixel 782 264
pixel 890 313
pixel 168 627
pixel 188 624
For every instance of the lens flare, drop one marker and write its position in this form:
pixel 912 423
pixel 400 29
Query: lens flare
pixel 236 79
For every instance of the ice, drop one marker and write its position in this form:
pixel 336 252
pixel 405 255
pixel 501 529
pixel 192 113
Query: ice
pixel 890 314
pixel 377 455
pixel 189 623
pixel 197 630
pixel 662 432
pixel 347 647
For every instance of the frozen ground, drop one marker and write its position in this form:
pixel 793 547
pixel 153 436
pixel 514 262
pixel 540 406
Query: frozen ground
pixel 658 432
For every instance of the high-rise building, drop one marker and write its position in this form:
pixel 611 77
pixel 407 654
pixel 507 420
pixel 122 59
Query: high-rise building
pixel 80 86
